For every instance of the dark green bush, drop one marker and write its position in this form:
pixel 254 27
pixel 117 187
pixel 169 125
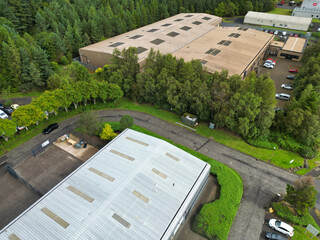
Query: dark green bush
pixel 64 60
pixel 126 122
pixel 263 143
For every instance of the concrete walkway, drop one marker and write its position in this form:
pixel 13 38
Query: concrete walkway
pixel 261 180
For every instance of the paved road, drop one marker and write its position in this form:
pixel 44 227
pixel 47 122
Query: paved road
pixel 261 180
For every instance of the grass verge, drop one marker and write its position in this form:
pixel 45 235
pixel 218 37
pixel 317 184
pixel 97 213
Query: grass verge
pixel 314 20
pixel 281 11
pixel 277 157
pixel 300 233
pixel 29 94
pixel 214 219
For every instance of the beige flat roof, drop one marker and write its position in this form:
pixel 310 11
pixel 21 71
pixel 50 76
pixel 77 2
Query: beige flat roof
pixel 277 44
pixel 235 57
pixel 294 44
pixel 182 29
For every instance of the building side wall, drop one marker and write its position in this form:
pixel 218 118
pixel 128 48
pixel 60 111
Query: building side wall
pixel 276 23
pixel 187 205
pixel 289 55
pixel 253 66
pixel 301 13
pixel 95 58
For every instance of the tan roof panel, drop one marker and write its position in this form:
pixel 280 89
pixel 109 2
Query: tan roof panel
pixel 294 44
pixel 55 217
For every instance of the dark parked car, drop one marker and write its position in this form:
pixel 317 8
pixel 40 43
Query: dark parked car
pixel 8 110
pixel 291 77
pixel 50 128
pixel 274 236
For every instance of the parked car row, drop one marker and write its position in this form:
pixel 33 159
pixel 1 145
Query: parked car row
pixel 5 111
pixel 281 227
pixel 269 63
pixel 283 34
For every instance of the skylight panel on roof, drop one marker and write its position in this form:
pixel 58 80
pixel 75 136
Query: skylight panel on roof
pixel 227 43
pixel 166 25
pixel 209 51
pixel 141 50
pixel 136 37
pixel 116 44
pixel 215 52
pixel 101 174
pixel 140 196
pixel 80 194
pixel 121 220
pixel 231 35
pixel 159 173
pixel 173 157
pixel 189 15
pixel 206 18
pixel 185 28
pixel 178 20
pixel 237 35
pixel 14 237
pixel 55 217
pixel 197 23
pixel 137 141
pixel 240 28
pixel 121 154
pixel 222 42
pixel 157 41
pixel 153 30
pixel 245 29
pixel 173 34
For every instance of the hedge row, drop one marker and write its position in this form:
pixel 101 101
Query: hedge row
pixel 214 219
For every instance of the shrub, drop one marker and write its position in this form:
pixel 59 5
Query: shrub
pixel 126 122
pixel 107 132
pixel 64 60
pixel 263 143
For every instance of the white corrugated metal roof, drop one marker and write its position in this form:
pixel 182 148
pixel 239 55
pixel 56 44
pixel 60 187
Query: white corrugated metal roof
pixel 130 189
pixel 278 17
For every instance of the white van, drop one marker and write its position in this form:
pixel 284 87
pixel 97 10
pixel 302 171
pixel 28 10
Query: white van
pixel 283 96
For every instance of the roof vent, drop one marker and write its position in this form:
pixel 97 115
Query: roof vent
pixel 157 41
pixel 153 30
pixel 173 34
pixel 141 50
pixel 136 36
pixel 197 23
pixel 185 28
pixel 116 44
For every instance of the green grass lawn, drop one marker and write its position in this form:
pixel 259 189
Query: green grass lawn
pixel 29 94
pixel 314 20
pixel 281 11
pixel 299 233
pixel 277 157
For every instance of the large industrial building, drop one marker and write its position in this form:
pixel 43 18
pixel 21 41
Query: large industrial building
pixel 277 20
pixel 136 187
pixel 309 8
pixel 190 36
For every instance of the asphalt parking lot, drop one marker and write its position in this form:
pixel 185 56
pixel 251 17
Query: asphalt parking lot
pixel 278 75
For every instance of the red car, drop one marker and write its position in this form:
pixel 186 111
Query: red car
pixel 271 32
pixel 296 35
pixel 293 70
pixel 272 60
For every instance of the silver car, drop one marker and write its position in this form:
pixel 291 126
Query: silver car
pixel 283 96
pixel 287 86
pixel 3 115
pixel 268 65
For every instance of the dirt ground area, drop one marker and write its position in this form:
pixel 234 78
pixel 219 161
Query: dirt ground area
pixel 209 193
pixel 82 153
pixel 14 198
pixel 278 75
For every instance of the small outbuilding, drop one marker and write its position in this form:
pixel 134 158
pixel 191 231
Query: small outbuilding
pixel 277 20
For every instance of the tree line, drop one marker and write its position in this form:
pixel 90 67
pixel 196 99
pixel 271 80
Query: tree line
pixel 36 33
pixel 246 107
